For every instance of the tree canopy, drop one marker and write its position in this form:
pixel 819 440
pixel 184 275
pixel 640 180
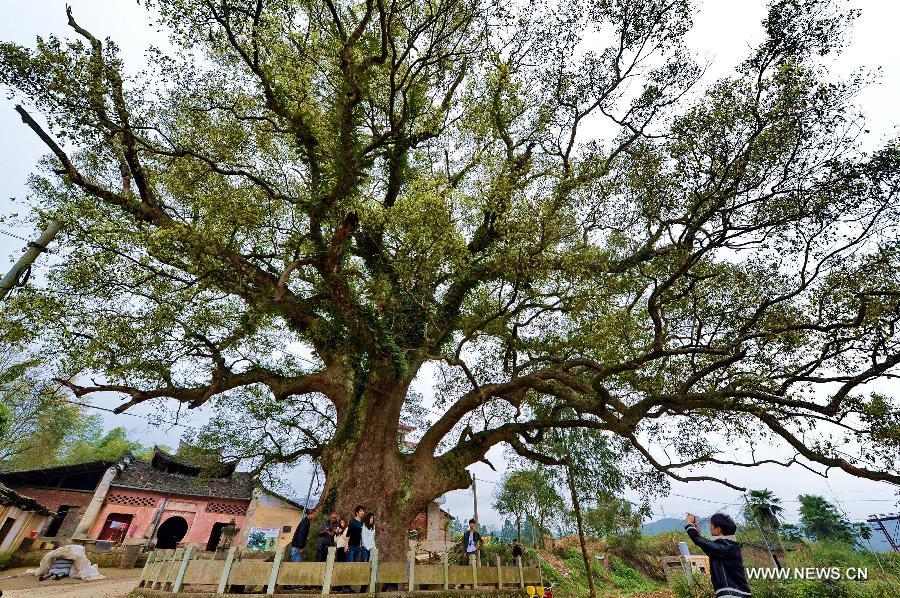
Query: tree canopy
pixel 531 495
pixel 547 204
pixel 763 508
pixel 40 428
pixel 821 521
pixel 37 424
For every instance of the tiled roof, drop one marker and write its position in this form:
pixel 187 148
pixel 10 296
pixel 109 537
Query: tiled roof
pixel 87 466
pixel 8 496
pixel 174 463
pixel 142 476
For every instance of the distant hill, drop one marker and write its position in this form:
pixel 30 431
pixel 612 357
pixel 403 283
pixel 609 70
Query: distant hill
pixel 878 543
pixel 669 524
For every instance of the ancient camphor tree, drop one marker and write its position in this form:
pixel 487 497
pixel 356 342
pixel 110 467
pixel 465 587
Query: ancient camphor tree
pixel 300 205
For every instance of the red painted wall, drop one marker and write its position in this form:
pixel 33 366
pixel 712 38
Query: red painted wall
pixel 143 506
pixel 53 498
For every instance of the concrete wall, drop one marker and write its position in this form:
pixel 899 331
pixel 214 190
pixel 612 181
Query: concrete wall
pixel 54 498
pixel 267 511
pixel 143 505
pixel 27 523
pixel 437 537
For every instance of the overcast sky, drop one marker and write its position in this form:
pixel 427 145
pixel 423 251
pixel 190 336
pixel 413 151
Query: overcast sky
pixel 724 31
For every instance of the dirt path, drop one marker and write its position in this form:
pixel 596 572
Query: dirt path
pixel 117 585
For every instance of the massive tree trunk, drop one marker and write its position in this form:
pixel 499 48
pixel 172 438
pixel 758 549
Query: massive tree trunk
pixel 364 465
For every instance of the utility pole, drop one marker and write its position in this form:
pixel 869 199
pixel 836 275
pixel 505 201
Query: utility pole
pixel 474 499
pixel 576 505
pixel 312 478
pixel 35 248
pixel 763 532
pixel 879 522
pixel 475 514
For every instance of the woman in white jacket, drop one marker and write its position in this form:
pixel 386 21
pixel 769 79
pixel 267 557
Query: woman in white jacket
pixel 368 536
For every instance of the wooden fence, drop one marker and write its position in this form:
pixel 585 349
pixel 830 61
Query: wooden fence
pixel 175 570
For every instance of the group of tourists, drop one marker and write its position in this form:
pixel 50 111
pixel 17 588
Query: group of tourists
pixel 353 540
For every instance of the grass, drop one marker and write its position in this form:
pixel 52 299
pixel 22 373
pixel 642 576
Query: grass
pixel 883 575
pixel 620 579
pixel 634 571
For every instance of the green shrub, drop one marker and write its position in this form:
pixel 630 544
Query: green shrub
pixel 825 589
pixel 701 587
pixel 5 558
pixel 490 552
pixel 627 578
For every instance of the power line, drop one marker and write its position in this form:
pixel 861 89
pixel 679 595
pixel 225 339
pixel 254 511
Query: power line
pixel 6 232
pixel 151 420
pixel 13 235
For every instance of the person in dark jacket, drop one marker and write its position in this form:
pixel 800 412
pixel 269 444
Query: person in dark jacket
pixel 517 550
pixel 301 535
pixel 326 536
pixel 354 535
pixel 726 565
pixel 471 541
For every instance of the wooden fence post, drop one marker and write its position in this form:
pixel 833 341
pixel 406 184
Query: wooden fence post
pixel 162 566
pixel 373 569
pixel 412 571
pixel 329 571
pixel 179 579
pixel 445 560
pixel 499 574
pixel 474 571
pixel 521 572
pixel 273 574
pixel 146 568
pixel 226 571
pixel 171 562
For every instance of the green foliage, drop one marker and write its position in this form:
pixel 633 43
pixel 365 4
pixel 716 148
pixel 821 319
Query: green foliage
pixel 822 589
pixel 5 419
pixel 5 558
pixel 491 550
pixel 37 424
pixel 822 521
pixel 39 427
pixel 698 587
pixel 626 578
pixel 614 518
pixel 621 577
pixel 512 498
pixel 532 494
pixel 763 508
pixel 97 445
pixel 790 532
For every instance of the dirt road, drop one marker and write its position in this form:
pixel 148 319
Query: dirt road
pixel 116 585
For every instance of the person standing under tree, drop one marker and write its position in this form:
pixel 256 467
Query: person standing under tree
pixel 354 535
pixel 368 536
pixel 471 541
pixel 301 535
pixel 516 550
pixel 726 565
pixel 341 541
pixel 326 537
